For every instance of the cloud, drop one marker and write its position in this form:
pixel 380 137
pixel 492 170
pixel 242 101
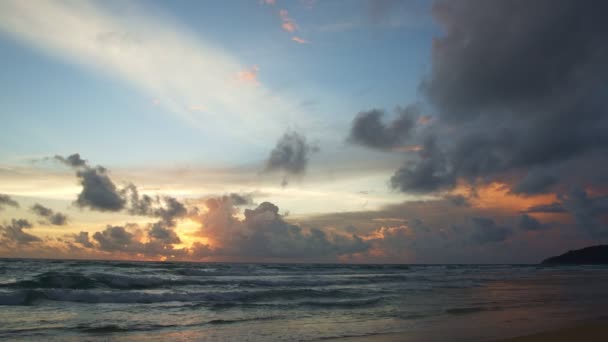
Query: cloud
pixel 98 191
pixel 458 200
pixel 587 211
pixel 299 40
pixel 554 207
pixel 290 154
pixel 485 230
pixel 114 238
pixel 268 2
pixel 263 233
pixel 160 231
pixel 535 182
pixel 249 75
pixel 151 53
pixel 128 239
pixel 6 200
pixel 527 222
pixel 57 219
pixel 430 172
pixel 198 108
pixel 82 239
pixel 13 233
pixel 241 199
pixel 517 112
pixel 72 160
pixel 368 129
pixel 260 233
pixel 165 207
pixel 287 23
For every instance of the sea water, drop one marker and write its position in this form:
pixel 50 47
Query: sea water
pixel 46 300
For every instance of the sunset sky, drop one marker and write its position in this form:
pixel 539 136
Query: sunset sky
pixel 304 130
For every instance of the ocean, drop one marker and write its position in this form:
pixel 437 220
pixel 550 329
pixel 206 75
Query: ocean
pixel 68 300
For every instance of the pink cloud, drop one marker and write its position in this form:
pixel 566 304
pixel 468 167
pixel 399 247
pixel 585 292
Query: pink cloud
pixel 299 40
pixel 268 2
pixel 288 24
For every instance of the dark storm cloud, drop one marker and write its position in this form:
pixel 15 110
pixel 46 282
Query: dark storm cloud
pixel 51 217
pixel 290 155
pixel 73 160
pixel 429 173
pixel 98 191
pixel 166 207
pixel 128 239
pixel 517 87
pixel 535 182
pixel 241 199
pixel 532 54
pixel 160 231
pixel 82 238
pixel 554 207
pixel 113 238
pixel 587 211
pixel 527 222
pixel 458 200
pixel 6 200
pixel 12 233
pixel 368 128
pixel 485 230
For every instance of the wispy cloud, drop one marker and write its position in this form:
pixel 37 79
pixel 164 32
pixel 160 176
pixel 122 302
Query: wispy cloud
pixel 299 40
pixel 198 108
pixel 171 65
pixel 288 24
pixel 249 75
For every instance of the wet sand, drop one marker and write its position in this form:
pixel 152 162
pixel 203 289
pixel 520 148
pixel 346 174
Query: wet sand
pixel 596 331
pixel 593 331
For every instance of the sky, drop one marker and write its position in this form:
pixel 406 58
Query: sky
pixel 363 131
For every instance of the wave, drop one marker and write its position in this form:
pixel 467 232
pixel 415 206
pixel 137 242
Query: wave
pixel 31 296
pixel 75 280
pixel 471 310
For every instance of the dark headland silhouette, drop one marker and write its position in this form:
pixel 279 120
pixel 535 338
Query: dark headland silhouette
pixel 588 255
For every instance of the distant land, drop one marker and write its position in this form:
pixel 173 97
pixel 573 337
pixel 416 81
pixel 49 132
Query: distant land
pixel 588 255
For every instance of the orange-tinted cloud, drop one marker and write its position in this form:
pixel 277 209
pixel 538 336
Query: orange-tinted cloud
pixel 424 120
pixel 410 148
pixel 497 195
pixel 197 108
pixel 249 75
